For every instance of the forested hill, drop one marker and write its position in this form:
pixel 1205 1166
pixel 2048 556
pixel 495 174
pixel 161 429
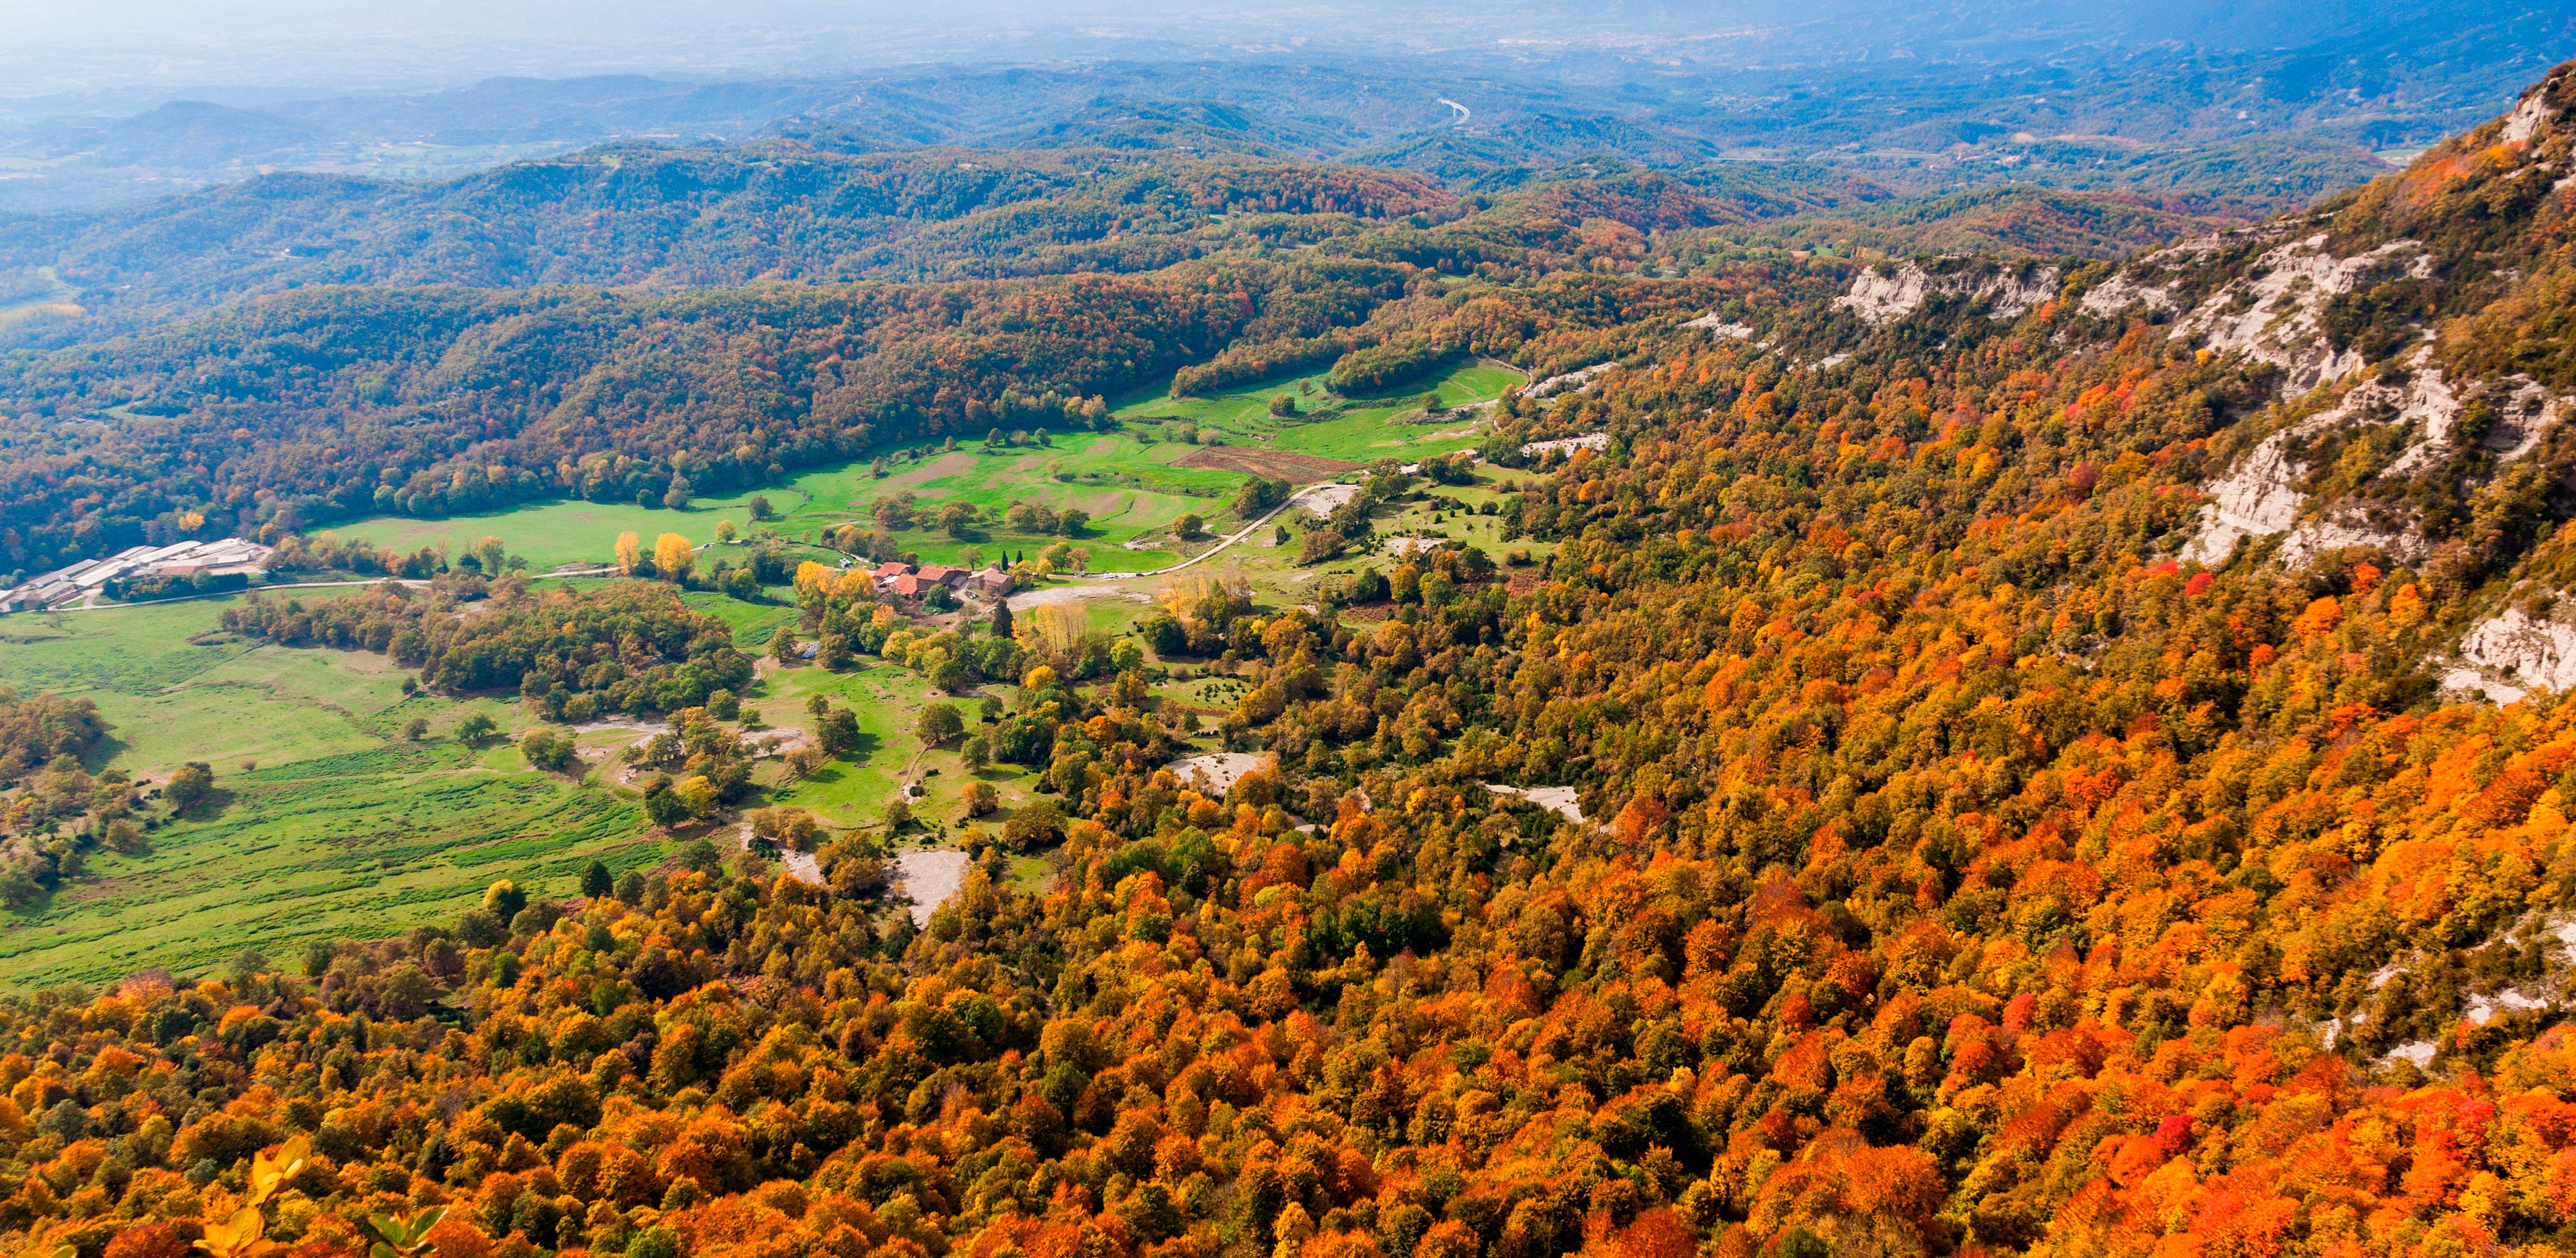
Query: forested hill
pixel 321 402
pixel 471 360
pixel 698 218
pixel 1983 850
pixel 674 219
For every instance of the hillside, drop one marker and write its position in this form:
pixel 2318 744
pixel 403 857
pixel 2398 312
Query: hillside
pixel 1945 756
pixel 363 333
pixel 694 218
pixel 435 400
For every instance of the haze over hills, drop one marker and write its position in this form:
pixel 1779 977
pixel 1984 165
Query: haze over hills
pixel 2240 101
pixel 2144 121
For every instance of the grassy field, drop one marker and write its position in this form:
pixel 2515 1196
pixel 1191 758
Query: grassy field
pixel 555 533
pixel 752 623
pixel 358 845
pixel 887 700
pixel 1129 489
pixel 1365 429
pixel 177 689
pixel 335 827
pixel 1127 481
pixel 332 826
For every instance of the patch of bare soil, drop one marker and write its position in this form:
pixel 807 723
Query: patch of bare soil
pixel 1278 464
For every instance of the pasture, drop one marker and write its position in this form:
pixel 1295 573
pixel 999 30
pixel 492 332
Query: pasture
pixel 1355 430
pixel 330 824
pixel 1133 483
pixel 887 699
pixel 552 534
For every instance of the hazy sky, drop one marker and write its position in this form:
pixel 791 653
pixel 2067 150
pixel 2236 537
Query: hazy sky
pixel 74 46
pixel 64 45
pixel 79 45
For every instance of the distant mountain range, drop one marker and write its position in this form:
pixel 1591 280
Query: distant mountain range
pixel 2269 103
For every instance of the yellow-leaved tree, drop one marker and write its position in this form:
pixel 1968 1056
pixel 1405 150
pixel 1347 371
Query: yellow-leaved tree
pixel 812 580
pixel 672 557
pixel 1050 632
pixel 630 551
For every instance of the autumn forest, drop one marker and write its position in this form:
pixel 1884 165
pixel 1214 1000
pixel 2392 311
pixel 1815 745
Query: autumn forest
pixel 2043 734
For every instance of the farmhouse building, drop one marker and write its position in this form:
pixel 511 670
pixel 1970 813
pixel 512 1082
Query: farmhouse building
pixel 990 582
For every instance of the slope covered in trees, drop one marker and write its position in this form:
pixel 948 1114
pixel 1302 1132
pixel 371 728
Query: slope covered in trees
pixel 322 404
pixel 1975 864
pixel 696 218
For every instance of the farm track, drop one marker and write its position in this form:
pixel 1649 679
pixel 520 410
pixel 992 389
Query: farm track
pixel 602 570
pixel 1295 499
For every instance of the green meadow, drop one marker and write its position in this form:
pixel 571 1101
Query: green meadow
pixel 552 534
pixel 1127 481
pixel 359 845
pixel 1129 489
pixel 852 792
pixel 1355 430
pixel 329 824
pixel 752 623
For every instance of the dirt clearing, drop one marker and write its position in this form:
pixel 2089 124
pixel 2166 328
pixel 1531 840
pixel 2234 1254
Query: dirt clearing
pixel 1278 464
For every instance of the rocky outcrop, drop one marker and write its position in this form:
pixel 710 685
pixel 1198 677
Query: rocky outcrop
pixel 1567 382
pixel 2275 312
pixel 1588 441
pixel 2270 305
pixel 1882 298
pixel 2122 293
pixel 2534 653
pixel 2528 117
pixel 2260 496
pixel 1719 325
pixel 2468 680
pixel 2345 526
pixel 1560 800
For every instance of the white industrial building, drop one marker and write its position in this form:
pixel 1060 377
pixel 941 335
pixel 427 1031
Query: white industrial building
pixel 65 586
